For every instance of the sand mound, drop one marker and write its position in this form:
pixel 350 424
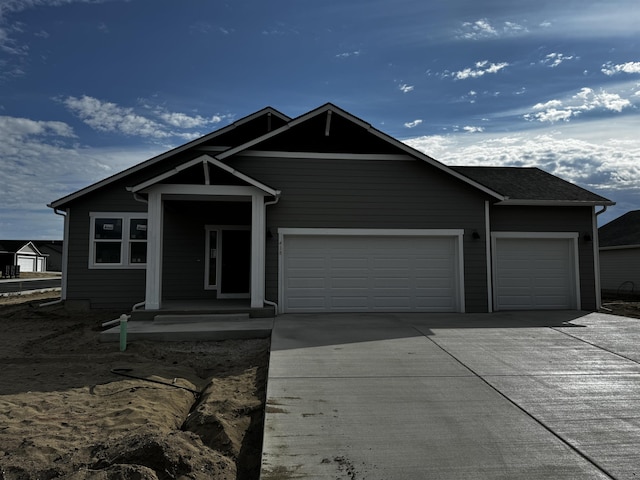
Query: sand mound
pixel 194 411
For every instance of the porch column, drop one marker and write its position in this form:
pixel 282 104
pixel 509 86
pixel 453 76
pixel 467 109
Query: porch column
pixel 153 291
pixel 258 240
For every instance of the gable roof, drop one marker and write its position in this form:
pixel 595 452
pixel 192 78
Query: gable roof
pixel 14 246
pixel 328 114
pixel 239 131
pixel 532 186
pixel 624 230
pixel 342 132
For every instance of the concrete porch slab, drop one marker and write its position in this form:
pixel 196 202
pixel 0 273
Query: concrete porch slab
pixel 192 331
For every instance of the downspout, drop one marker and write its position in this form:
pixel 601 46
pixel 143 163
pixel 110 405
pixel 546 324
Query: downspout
pixel 596 255
pixel 65 259
pixel 269 302
pixel 140 199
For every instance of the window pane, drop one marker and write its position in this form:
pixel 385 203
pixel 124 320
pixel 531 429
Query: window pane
pixel 138 229
pixel 138 252
pixel 108 228
pixel 107 252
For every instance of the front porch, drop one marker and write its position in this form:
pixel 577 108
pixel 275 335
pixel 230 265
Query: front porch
pixel 205 307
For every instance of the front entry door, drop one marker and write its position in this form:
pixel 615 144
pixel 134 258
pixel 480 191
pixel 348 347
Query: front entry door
pixel 228 269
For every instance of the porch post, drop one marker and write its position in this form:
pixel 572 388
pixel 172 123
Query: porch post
pixel 258 232
pixel 153 291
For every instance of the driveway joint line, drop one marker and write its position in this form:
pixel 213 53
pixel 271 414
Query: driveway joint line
pixel 596 346
pixel 533 417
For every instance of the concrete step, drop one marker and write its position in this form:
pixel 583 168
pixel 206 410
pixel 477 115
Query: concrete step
pixel 199 318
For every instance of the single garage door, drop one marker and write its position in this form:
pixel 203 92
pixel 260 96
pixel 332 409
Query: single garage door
pixel 348 273
pixel 534 274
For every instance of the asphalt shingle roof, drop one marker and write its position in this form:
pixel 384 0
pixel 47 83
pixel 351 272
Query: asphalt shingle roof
pixel 520 183
pixel 624 230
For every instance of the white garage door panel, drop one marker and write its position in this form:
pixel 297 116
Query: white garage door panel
pixel 368 273
pixel 535 274
pixel 27 264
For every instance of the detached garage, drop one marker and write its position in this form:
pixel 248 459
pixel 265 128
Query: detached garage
pixel 371 271
pixel 535 271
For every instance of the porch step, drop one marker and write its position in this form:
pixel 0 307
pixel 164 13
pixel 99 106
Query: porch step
pixel 199 318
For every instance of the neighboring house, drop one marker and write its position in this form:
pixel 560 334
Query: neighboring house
pixel 324 213
pixel 53 250
pixel 22 253
pixel 620 254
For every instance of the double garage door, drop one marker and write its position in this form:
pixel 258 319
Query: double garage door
pixel 371 273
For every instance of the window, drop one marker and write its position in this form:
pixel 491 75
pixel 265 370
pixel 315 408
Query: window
pixel 118 240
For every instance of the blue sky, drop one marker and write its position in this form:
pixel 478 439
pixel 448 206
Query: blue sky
pixel 90 87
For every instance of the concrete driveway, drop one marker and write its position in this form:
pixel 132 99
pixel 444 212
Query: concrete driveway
pixel 533 395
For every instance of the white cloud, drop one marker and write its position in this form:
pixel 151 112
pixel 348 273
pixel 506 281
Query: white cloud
pixel 480 69
pixel 182 120
pixel 404 88
pixel 43 157
pixel 483 29
pixel 348 54
pixel 471 129
pixel 413 124
pixel 108 117
pixel 629 67
pixel 585 100
pixel 553 60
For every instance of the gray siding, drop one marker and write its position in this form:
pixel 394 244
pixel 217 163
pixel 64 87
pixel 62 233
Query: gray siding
pixel 555 219
pixel 371 194
pixel 107 289
pixel 620 270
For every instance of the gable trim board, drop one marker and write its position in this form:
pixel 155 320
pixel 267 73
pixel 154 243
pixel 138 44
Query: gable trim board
pixel 535 270
pixel 343 270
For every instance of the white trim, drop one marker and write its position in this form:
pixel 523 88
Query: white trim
pixel 125 242
pixel 258 249
pixel 596 257
pixel 487 238
pixel 155 230
pixel 618 247
pixel 205 190
pixel 328 156
pixel 397 232
pixel 574 236
pixel 202 159
pixel 457 234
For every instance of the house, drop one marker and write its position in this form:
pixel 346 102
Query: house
pixel 53 250
pixel 324 213
pixel 620 255
pixel 23 254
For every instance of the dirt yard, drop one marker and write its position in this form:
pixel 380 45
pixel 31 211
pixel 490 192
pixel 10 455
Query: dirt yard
pixel 196 412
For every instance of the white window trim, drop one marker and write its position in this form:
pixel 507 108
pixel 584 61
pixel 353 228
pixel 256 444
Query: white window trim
pixel 458 234
pixel 125 241
pixel 574 236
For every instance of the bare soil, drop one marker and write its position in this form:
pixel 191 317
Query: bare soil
pixel 186 410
